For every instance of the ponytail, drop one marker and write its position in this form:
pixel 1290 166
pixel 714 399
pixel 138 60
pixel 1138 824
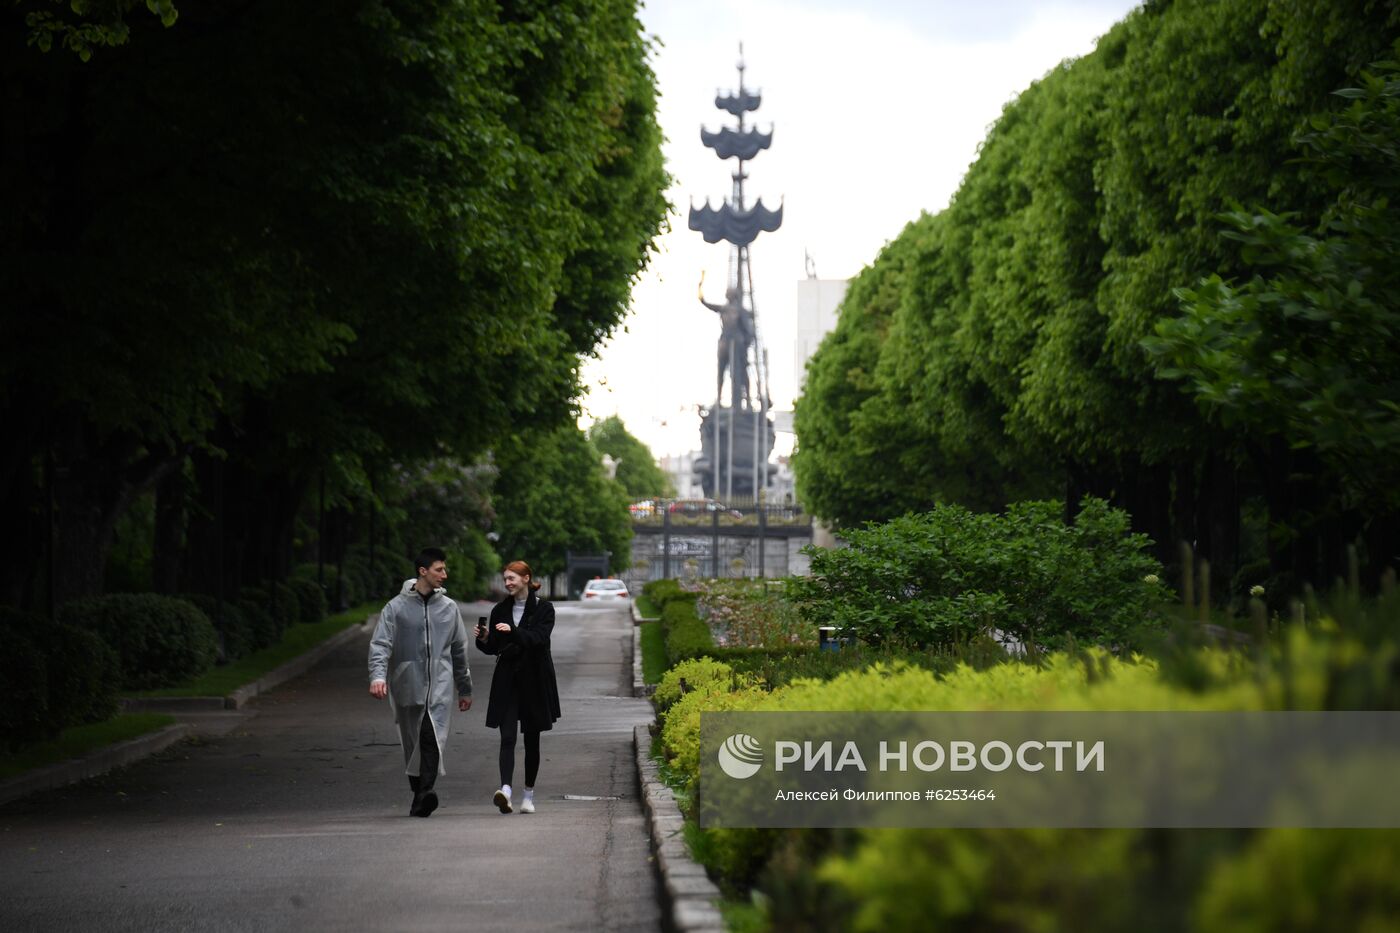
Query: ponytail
pixel 523 569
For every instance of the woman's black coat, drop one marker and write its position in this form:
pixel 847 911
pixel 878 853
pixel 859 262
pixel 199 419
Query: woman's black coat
pixel 524 676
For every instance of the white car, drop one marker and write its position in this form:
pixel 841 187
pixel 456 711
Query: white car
pixel 605 591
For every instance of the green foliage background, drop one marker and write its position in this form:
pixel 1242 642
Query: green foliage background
pixel 636 466
pixel 999 350
pixel 279 248
pixel 553 497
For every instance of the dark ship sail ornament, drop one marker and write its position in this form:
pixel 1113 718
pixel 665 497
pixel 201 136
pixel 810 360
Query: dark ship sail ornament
pixel 736 439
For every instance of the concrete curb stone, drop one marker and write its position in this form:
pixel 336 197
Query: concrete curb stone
pixel 124 753
pixel 691 896
pixel 101 761
pixel 238 698
pixel 640 688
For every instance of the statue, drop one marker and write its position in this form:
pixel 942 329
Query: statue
pixel 735 338
pixel 736 440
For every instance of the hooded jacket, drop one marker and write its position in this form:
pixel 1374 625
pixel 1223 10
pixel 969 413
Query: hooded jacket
pixel 419 650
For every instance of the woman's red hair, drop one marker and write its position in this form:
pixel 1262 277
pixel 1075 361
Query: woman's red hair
pixel 521 568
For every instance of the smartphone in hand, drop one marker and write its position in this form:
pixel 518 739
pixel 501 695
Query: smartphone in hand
pixel 481 628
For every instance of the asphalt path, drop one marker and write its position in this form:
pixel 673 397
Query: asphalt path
pixel 297 819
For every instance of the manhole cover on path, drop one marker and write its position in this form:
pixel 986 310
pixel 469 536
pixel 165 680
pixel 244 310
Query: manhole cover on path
pixel 585 797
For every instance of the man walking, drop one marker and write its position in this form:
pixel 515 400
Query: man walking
pixel 418 651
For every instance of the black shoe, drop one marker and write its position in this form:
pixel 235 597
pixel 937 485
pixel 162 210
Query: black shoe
pixel 428 804
pixel 417 803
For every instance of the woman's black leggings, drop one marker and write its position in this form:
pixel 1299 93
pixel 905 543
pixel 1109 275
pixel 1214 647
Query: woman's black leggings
pixel 532 753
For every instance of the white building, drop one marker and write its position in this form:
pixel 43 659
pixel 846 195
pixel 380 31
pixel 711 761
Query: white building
pixel 817 300
pixel 681 469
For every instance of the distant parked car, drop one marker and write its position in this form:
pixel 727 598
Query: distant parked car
pixel 703 507
pixel 643 509
pixel 605 590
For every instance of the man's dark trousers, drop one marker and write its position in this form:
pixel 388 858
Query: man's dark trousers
pixel 427 758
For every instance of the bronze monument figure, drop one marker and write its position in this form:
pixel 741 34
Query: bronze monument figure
pixel 736 337
pixel 737 438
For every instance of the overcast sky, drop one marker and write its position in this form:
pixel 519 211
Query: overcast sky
pixel 877 111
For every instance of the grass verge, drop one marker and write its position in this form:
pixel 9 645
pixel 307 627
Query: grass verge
pixel 653 652
pixel 76 741
pixel 646 608
pixel 297 640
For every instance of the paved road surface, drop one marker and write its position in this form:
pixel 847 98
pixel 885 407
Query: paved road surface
pixel 296 820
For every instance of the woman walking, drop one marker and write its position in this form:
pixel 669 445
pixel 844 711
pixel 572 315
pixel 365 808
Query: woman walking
pixel 524 694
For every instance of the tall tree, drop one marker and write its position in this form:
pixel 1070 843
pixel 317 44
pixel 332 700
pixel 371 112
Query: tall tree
pixel 295 240
pixel 552 497
pixel 1008 355
pixel 637 471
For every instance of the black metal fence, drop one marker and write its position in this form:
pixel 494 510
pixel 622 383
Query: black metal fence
pixel 694 538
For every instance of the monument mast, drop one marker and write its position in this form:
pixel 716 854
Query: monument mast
pixel 740 348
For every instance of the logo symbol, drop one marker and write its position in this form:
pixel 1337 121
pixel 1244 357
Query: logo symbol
pixel 741 756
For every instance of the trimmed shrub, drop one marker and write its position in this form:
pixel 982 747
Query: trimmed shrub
pixel 259 625
pixel 352 594
pixel 687 635
pixel 687 676
pixel 286 602
pixel 947 576
pixel 680 736
pixel 234 629
pixel 311 601
pixel 664 592
pixel 161 640
pixel 777 667
pixel 82 673
pixel 359 579
pixel 1290 879
pixel 1051 878
pixel 279 604
pixel 24 716
pixel 85 676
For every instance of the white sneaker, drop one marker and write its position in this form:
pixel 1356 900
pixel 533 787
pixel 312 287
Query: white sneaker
pixel 528 804
pixel 502 800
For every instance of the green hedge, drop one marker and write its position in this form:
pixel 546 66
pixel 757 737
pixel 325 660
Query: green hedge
pixel 159 639
pixel 687 635
pixel 327 573
pixel 75 679
pixel 278 599
pixel 24 716
pixel 84 674
pixel 950 575
pixel 233 627
pixel 663 592
pixel 311 601
pixel 688 676
pixel 778 667
pixel 1225 880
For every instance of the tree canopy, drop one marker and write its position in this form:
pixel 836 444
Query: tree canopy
pixel 999 350
pixel 637 471
pixel 552 497
pixel 286 241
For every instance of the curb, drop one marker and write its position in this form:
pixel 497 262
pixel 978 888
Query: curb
pixel 99 762
pixel 238 698
pixel 690 894
pixel 640 688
